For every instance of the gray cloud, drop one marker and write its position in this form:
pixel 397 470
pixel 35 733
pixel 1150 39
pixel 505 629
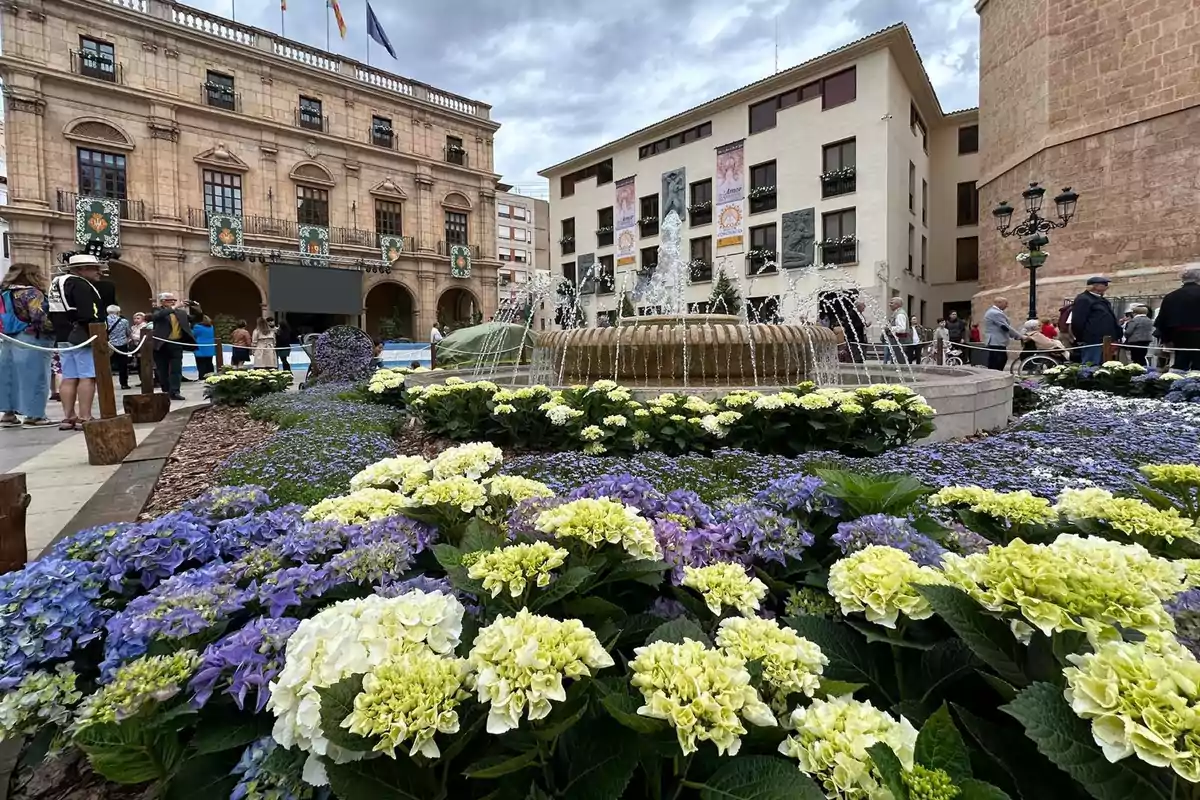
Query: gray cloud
pixel 561 81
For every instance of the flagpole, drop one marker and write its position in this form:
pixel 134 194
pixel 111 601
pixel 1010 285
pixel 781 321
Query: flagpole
pixel 233 5
pixel 282 21
pixel 328 11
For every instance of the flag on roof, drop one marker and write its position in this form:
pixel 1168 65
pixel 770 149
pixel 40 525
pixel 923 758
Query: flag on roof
pixel 337 15
pixel 376 32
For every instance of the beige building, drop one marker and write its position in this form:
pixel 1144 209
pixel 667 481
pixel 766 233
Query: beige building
pixel 205 156
pixel 1103 97
pixel 522 245
pixel 841 171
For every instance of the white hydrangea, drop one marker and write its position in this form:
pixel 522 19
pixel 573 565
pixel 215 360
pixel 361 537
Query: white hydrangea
pixel 351 638
pixel 472 461
pixel 402 473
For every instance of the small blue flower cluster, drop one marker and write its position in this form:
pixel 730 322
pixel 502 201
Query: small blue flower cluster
pixel 260 778
pixel 226 502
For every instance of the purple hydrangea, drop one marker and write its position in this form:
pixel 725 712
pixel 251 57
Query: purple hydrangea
pixel 47 609
pixel 686 503
pixel 238 535
pixel 371 564
pixel 1185 608
pixel 695 547
pixel 624 488
pixel 243 661
pixel 311 541
pixel 966 542
pixel 151 552
pixel 799 495
pixel 766 534
pixel 291 587
pixel 417 535
pixel 343 355
pixel 523 519
pixel 187 604
pixel 881 529
pixel 263 777
pixel 668 608
pixel 226 502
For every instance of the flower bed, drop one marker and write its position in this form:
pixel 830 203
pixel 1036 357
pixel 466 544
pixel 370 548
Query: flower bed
pixel 1127 380
pixel 604 418
pixel 386 385
pixel 239 387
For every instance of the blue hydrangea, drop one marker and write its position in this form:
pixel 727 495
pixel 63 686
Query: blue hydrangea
pixel 261 776
pixel 686 503
pixel 242 662
pixel 151 552
pixel 765 534
pixel 87 545
pixel 624 488
pixel 227 502
pixel 799 495
pixel 1185 608
pixel 237 535
pixel 881 529
pixel 291 587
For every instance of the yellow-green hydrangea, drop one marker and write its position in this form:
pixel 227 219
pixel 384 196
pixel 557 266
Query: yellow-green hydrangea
pixel 704 694
pixel 726 585
pixel 924 783
pixel 136 685
pixel 472 461
pixel 791 664
pixel 1019 508
pixel 831 738
pixel 363 505
pixel 597 521
pixel 1075 583
pixel 592 433
pixel 521 661
pixel 1143 699
pixel 851 408
pixel 41 698
pixel 815 401
pixel 402 473
pixel 516 566
pixel 1173 475
pixel 885 405
pixel 1125 515
pixel 881 582
pixel 412 696
pixel 515 488
pixel 461 493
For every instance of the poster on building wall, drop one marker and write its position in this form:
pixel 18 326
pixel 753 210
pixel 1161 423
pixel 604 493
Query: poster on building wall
pixel 731 191
pixel 390 248
pixel 98 219
pixel 314 246
pixel 460 261
pixel 625 222
pixel 225 235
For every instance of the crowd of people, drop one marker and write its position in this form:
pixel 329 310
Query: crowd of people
pixel 47 355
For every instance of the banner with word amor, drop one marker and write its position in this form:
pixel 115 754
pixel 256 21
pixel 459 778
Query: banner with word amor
pixel 731 192
pixel 625 222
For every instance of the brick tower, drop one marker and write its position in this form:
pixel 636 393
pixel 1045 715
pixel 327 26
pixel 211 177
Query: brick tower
pixel 1102 96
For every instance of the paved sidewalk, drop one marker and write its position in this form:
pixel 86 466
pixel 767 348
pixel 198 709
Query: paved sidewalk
pixel 57 472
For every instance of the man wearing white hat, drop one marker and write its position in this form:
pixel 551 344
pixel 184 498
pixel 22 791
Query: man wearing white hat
pixel 75 303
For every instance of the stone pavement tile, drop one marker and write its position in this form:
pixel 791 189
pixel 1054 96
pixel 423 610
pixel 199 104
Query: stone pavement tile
pixel 68 479
pixel 42 526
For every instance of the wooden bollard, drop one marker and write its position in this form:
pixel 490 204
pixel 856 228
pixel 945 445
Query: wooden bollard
pixel 939 348
pixel 110 438
pixel 147 406
pixel 1108 352
pixel 219 353
pixel 14 501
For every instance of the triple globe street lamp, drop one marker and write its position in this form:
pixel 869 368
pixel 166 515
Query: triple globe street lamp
pixel 1035 227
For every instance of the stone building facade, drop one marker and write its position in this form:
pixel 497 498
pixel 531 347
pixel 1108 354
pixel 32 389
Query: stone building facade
pixel 1102 96
pixel 180 118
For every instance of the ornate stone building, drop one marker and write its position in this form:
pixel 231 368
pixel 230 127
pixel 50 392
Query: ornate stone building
pixel 1102 96
pixel 205 156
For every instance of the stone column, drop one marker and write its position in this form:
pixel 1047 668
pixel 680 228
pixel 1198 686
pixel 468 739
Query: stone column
pixel 25 140
pixel 427 301
pixel 426 232
pixel 164 161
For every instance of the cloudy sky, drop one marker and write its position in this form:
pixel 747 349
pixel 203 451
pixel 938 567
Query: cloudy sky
pixel 562 80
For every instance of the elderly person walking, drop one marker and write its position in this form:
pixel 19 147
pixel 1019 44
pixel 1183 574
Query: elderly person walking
pixel 24 371
pixel 1093 320
pixel 172 335
pixel 897 334
pixel 997 330
pixel 1139 333
pixel 120 336
pixel 1178 321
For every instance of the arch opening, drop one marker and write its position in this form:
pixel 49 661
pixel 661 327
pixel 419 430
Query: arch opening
pixel 458 308
pixel 132 291
pixel 226 297
pixel 391 312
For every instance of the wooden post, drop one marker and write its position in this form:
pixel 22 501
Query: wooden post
pixel 147 406
pixel 1106 350
pixel 14 500
pixel 219 353
pixel 110 438
pixel 939 351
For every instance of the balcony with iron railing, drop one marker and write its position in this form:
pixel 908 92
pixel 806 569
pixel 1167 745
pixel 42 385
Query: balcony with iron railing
pixel 839 252
pixel 276 228
pixel 761 261
pixel 383 136
pixel 443 249
pixel 131 210
pixel 216 95
pixel 700 270
pixel 456 155
pixel 97 66
pixel 312 120
pixel 839 182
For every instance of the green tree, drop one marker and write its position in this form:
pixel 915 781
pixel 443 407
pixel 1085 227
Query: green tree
pixel 724 298
pixel 627 309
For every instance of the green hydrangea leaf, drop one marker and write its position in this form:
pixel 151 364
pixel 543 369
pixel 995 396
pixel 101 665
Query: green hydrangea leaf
pixel 380 779
pixel 988 637
pixel 561 587
pixel 941 746
pixel 759 778
pixel 130 752
pixel 978 790
pixel 1067 741
pixel 204 778
pixel 337 703
pixel 890 769
pixel 677 630
pixel 851 658
pixel 600 760
pixel 498 766
pixel 623 708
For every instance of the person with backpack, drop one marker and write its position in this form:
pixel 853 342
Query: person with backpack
pixel 24 372
pixel 120 336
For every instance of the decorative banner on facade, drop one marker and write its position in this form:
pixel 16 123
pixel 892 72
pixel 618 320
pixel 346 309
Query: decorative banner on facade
pixel 224 233
pixel 98 219
pixel 731 191
pixel 314 246
pixel 674 193
pixel 390 248
pixel 625 222
pixel 460 261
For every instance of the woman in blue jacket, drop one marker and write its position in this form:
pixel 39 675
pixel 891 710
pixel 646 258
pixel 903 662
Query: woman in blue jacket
pixel 205 347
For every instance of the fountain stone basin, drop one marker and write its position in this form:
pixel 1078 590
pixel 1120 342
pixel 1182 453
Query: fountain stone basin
pixel 688 349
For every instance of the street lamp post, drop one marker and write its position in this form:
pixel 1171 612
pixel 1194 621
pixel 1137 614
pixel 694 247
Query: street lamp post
pixel 1035 227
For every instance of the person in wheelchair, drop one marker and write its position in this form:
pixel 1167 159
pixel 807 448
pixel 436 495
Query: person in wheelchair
pixel 1040 346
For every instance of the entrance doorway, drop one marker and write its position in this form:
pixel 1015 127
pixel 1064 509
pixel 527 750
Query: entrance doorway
pixel 303 324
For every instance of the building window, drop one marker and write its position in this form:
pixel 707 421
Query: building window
pixel 921 314
pixel 312 206
pixel 504 253
pixel 839 244
pixel 568 271
pixel 701 131
pixel 310 114
pixel 649 258
pixel 912 235
pixel 604 227
pixel 389 218
pixel 762 256
pixel 908 306
pixel 838 165
pixel 924 254
pixel 218 91
pixel 606 280
pixel 504 210
pixel 912 187
pixel 601 171
pixel 222 193
pixel 917 125
pixel 5 237
pixel 97 59
pixel 968 139
pixel 567 240
pixel 834 90
pixel 701 263
pixel 968 204
pixel 762 188
pixel 455 152
pixel 700 211
pixel 520 213
pixel 382 132
pixel 649 215
pixel 966 260
pixel 521 256
pixel 456 227
pixel 924 202
pixel 101 174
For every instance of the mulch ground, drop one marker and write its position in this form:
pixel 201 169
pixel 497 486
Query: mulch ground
pixel 413 441
pixel 211 437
